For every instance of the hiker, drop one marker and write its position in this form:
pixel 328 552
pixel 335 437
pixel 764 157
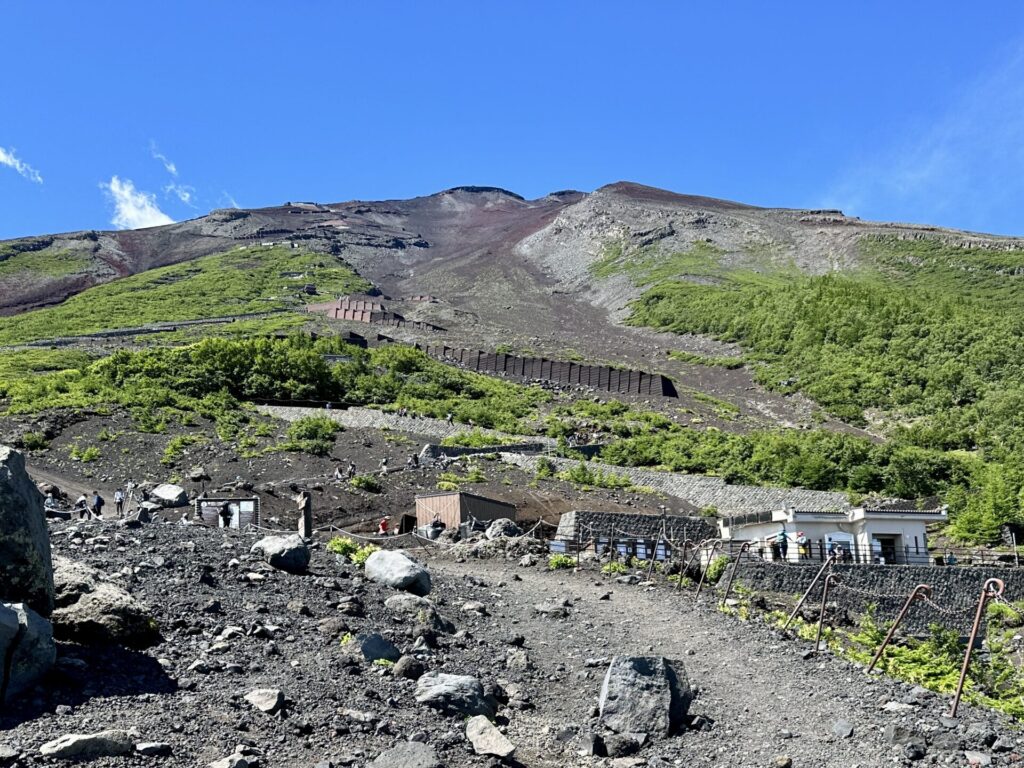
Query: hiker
pixel 225 515
pixel 339 473
pixel 82 505
pixel 450 418
pixel 950 558
pixel 119 502
pixel 327 405
pixel 350 472
pixel 437 523
pixel 382 528
pixel 384 467
pixel 97 505
pixel 782 540
pixel 832 547
pixel 803 545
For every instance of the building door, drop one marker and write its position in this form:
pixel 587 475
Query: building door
pixel 887 547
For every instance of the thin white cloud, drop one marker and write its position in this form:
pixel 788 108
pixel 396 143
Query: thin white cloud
pixel 965 169
pixel 133 209
pixel 11 160
pixel 226 197
pixel 167 163
pixel 183 192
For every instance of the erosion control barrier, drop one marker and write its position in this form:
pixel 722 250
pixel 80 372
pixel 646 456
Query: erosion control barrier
pixel 601 377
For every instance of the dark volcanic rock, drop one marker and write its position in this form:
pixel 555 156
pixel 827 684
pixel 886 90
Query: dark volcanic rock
pixel 26 573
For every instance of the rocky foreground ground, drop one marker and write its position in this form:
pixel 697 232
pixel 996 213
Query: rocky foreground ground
pixel 258 666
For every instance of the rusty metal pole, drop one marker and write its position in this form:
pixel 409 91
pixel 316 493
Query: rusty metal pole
pixel 993 588
pixel 735 567
pixel 919 592
pixel 703 574
pixel 821 616
pixel 829 562
pixel 686 562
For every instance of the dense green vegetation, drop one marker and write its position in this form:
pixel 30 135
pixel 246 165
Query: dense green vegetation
pixel 241 281
pixel 927 341
pixel 48 262
pixel 210 379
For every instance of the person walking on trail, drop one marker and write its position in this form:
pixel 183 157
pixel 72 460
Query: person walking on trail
pixel 450 418
pixel 382 528
pixel 96 507
pixel 782 539
pixel 339 473
pixel 384 467
pixel 350 472
pixel 82 505
pixel 119 502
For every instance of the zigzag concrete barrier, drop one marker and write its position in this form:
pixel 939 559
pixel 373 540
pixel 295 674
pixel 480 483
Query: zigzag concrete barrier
pixel 562 372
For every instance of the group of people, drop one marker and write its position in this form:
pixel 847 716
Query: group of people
pixel 345 472
pixel 91 506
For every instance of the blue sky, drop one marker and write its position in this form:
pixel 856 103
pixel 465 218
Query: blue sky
pixel 121 114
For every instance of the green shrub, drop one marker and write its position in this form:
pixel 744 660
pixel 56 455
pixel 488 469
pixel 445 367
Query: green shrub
pixel 85 455
pixel 34 441
pixel 342 545
pixel 476 438
pixel 613 568
pixel 716 569
pixel 582 475
pixel 359 556
pixel 312 434
pixel 557 561
pixel 176 448
pixel 545 468
pixel 367 483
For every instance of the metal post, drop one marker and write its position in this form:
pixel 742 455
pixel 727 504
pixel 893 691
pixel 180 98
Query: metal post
pixel 735 567
pixel 919 592
pixel 829 562
pixel 711 556
pixel 821 616
pixel 686 563
pixel 993 588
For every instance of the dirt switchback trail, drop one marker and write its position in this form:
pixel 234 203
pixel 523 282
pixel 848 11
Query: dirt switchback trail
pixel 763 698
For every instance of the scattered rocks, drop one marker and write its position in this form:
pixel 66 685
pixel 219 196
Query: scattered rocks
pixel 90 746
pixel 842 729
pixel 286 553
pixel 411 754
pixel 503 528
pixel 487 739
pixel 644 694
pixel 398 571
pixel 153 748
pixel 266 700
pixel 373 646
pixel 409 667
pixel 90 609
pixel 454 694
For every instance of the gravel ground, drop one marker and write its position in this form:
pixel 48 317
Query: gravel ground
pixel 758 700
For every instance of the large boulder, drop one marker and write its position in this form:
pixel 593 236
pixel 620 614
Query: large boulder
pixel 410 754
pixel 503 528
pixel 287 553
pixel 96 611
pixel 399 571
pixel 26 639
pixel 169 495
pixel 644 694
pixel 454 694
pixel 26 574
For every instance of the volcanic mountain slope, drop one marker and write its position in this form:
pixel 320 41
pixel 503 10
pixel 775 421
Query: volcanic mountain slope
pixel 462 239
pixel 552 276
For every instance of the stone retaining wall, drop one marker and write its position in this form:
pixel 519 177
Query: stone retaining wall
pixel 702 491
pixel 954 588
pixel 590 524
